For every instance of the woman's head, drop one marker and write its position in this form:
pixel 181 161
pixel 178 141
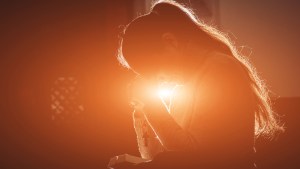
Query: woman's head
pixel 161 40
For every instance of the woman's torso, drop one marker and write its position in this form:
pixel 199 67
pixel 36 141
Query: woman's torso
pixel 186 110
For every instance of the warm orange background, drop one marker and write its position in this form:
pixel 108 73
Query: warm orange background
pixel 43 40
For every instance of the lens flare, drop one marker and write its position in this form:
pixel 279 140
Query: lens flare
pixel 165 92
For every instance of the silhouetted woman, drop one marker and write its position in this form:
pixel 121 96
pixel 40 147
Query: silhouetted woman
pixel 219 105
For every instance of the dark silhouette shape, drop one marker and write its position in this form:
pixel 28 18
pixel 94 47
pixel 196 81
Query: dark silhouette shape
pixel 220 105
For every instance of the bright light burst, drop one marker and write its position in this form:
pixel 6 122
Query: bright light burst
pixel 165 92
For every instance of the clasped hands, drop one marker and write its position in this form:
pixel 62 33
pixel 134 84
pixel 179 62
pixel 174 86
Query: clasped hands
pixel 150 94
pixel 143 92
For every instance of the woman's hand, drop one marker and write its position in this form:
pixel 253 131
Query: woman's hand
pixel 151 93
pixel 143 92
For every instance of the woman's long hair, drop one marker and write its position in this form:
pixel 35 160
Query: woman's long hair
pixel 143 34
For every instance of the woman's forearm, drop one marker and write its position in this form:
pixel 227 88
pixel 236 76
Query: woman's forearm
pixel 148 142
pixel 171 135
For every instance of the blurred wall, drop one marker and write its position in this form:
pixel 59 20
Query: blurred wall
pixel 270 29
pixel 42 42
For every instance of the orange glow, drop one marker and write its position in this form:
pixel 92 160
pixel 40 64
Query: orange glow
pixel 165 92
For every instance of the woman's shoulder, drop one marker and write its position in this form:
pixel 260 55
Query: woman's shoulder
pixel 221 62
pixel 221 69
pixel 216 58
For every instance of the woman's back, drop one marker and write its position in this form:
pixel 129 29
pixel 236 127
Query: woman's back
pixel 216 107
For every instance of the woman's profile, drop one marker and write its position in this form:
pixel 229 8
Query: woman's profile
pixel 217 106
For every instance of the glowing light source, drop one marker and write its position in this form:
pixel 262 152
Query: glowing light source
pixel 165 92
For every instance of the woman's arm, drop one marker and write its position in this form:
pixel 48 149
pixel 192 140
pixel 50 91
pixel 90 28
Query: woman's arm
pixel 153 116
pixel 171 135
pixel 148 142
pixel 224 116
